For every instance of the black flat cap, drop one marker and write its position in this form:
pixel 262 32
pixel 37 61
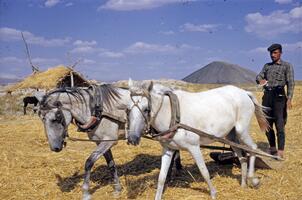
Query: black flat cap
pixel 273 47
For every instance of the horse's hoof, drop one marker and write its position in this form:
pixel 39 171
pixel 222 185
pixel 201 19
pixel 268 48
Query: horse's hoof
pixel 117 188
pixel 243 185
pixel 254 182
pixel 86 196
pixel 116 194
pixel 213 194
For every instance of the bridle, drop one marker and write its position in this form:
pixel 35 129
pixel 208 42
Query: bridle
pixel 135 104
pixel 59 117
pixel 149 120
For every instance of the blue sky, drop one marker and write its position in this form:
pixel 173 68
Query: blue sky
pixel 146 39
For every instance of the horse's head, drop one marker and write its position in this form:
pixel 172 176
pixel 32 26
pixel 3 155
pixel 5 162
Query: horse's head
pixel 56 120
pixel 139 110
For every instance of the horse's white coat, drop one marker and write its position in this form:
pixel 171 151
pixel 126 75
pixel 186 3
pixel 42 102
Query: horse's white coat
pixel 215 112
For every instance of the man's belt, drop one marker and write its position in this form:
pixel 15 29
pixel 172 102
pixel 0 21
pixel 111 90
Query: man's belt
pixel 278 90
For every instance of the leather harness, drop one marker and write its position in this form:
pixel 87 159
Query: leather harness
pixel 175 116
pixel 98 114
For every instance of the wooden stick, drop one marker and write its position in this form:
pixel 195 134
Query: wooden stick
pixel 33 68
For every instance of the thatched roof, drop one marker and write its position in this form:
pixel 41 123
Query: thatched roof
pixel 52 78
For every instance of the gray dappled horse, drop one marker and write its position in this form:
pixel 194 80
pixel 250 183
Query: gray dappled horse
pixel 85 106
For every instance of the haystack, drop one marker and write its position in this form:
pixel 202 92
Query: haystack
pixel 55 77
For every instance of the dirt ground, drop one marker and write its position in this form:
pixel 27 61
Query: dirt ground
pixel 29 170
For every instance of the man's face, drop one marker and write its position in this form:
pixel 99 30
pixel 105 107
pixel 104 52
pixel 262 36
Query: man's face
pixel 276 55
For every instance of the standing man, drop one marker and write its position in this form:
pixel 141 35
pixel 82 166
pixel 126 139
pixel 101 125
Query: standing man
pixel 273 77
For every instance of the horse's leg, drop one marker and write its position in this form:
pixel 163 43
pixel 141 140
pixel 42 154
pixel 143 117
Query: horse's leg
pixel 112 167
pixel 165 163
pixel 35 107
pixel 94 156
pixel 242 159
pixel 24 107
pixel 196 153
pixel 246 139
pixel 171 168
pixel 243 164
pixel 177 161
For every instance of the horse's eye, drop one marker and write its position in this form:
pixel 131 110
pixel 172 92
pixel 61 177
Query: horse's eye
pixel 58 115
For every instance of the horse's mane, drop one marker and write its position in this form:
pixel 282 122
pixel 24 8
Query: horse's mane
pixel 108 94
pixel 161 89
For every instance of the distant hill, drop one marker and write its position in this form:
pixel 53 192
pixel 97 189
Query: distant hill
pixel 5 81
pixel 219 72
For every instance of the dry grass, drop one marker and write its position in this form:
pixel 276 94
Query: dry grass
pixel 47 80
pixel 29 170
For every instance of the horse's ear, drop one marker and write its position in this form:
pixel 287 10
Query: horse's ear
pixel 130 83
pixel 150 87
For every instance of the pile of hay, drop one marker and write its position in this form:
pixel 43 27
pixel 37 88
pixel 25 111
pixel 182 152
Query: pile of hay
pixel 49 79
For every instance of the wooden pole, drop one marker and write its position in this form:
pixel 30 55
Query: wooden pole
pixel 71 79
pixel 33 68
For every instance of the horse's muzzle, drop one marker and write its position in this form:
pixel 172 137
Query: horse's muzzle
pixel 133 139
pixel 58 148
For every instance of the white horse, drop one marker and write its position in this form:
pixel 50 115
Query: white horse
pixel 215 112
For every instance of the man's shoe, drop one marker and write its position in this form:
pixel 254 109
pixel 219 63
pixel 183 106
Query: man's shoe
pixel 280 153
pixel 273 151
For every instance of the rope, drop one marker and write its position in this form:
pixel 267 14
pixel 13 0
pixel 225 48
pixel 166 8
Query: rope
pixel 92 140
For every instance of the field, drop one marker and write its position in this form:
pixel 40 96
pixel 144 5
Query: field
pixel 29 170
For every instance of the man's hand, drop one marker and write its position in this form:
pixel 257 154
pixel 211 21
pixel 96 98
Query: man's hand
pixel 262 82
pixel 289 104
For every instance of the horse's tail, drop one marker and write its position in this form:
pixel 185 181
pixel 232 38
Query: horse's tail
pixel 259 112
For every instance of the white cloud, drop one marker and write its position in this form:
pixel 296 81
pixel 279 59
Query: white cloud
pixel 11 60
pixel 278 22
pixel 69 4
pixel 259 50
pixel 14 63
pixel 283 1
pixel 45 62
pixel 8 76
pixel 51 3
pixel 167 32
pixel 110 54
pixel 88 61
pixel 143 48
pixel 230 27
pixel 84 49
pixel 11 34
pixel 287 47
pixel 84 43
pixel 88 47
pixel 188 27
pixel 127 5
pixel 293 46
